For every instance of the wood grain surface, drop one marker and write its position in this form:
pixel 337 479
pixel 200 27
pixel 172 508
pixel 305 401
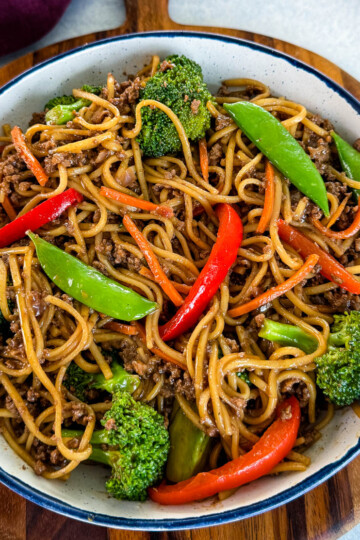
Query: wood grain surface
pixel 323 514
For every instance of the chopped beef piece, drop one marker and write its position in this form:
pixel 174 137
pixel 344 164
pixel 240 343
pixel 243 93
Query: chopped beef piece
pixel 222 121
pixel 165 65
pixel 215 154
pixel 126 94
pixel 37 118
pixel 195 104
pixel 356 145
pixel 66 159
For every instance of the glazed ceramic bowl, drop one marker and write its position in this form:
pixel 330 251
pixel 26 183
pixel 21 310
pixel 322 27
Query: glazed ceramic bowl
pixel 83 496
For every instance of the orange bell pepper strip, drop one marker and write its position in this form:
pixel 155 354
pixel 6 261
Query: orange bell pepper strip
pixel 204 159
pixel 9 209
pixel 30 160
pixel 268 451
pixel 331 269
pixel 340 235
pixel 152 261
pixel 128 200
pixel 277 291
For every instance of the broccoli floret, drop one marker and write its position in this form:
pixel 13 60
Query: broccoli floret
pixel 92 89
pixel 69 100
pixel 338 370
pixel 61 109
pixel 244 375
pixel 78 381
pixel 139 446
pixel 60 100
pixel 182 89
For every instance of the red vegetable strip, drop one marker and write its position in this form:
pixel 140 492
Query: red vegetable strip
pixel 30 160
pixel 8 207
pixel 340 235
pixel 277 291
pixel 128 200
pixel 127 329
pixel 155 350
pixel 269 198
pixel 152 261
pixel 330 267
pixel 270 449
pixel 204 159
pixel 222 256
pixel 38 216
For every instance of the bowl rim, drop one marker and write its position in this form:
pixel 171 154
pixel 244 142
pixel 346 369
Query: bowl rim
pixel 217 518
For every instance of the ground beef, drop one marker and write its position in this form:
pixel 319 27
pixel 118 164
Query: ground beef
pixel 66 159
pixel 298 388
pixel 99 116
pixel 37 118
pixel 110 424
pixel 10 406
pixel 165 64
pixel 195 104
pixel 222 121
pixel 215 154
pixel 37 302
pixel 356 145
pixel 39 467
pixel 337 188
pixel 126 94
pixel 342 300
pixel 80 413
pixel 320 155
pixel 100 157
pixel 10 170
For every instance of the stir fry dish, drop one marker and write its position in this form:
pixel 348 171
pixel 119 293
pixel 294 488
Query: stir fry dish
pixel 179 283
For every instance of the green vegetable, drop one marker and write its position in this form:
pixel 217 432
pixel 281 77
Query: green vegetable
pixel 177 88
pixel 64 113
pixel 288 335
pixel 92 89
pixel 338 370
pixel 78 381
pixel 280 147
pixel 189 449
pixel 349 159
pixel 89 286
pixel 244 375
pixel 61 108
pixel 139 445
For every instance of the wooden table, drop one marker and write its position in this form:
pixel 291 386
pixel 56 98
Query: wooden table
pixel 324 513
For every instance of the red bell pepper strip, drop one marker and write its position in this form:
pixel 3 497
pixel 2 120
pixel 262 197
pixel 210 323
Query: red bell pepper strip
pixel 222 256
pixel 331 269
pixel 271 448
pixel 38 216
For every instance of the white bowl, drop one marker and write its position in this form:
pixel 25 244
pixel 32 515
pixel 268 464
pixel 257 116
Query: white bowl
pixel 83 496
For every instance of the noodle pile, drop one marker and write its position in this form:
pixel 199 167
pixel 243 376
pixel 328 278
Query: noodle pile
pixel 210 356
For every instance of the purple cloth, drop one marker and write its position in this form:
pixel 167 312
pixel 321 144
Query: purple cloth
pixel 24 21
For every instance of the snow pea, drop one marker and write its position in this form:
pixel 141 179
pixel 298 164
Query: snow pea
pixel 189 448
pixel 89 286
pixel 349 159
pixel 281 148
pixel 288 335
